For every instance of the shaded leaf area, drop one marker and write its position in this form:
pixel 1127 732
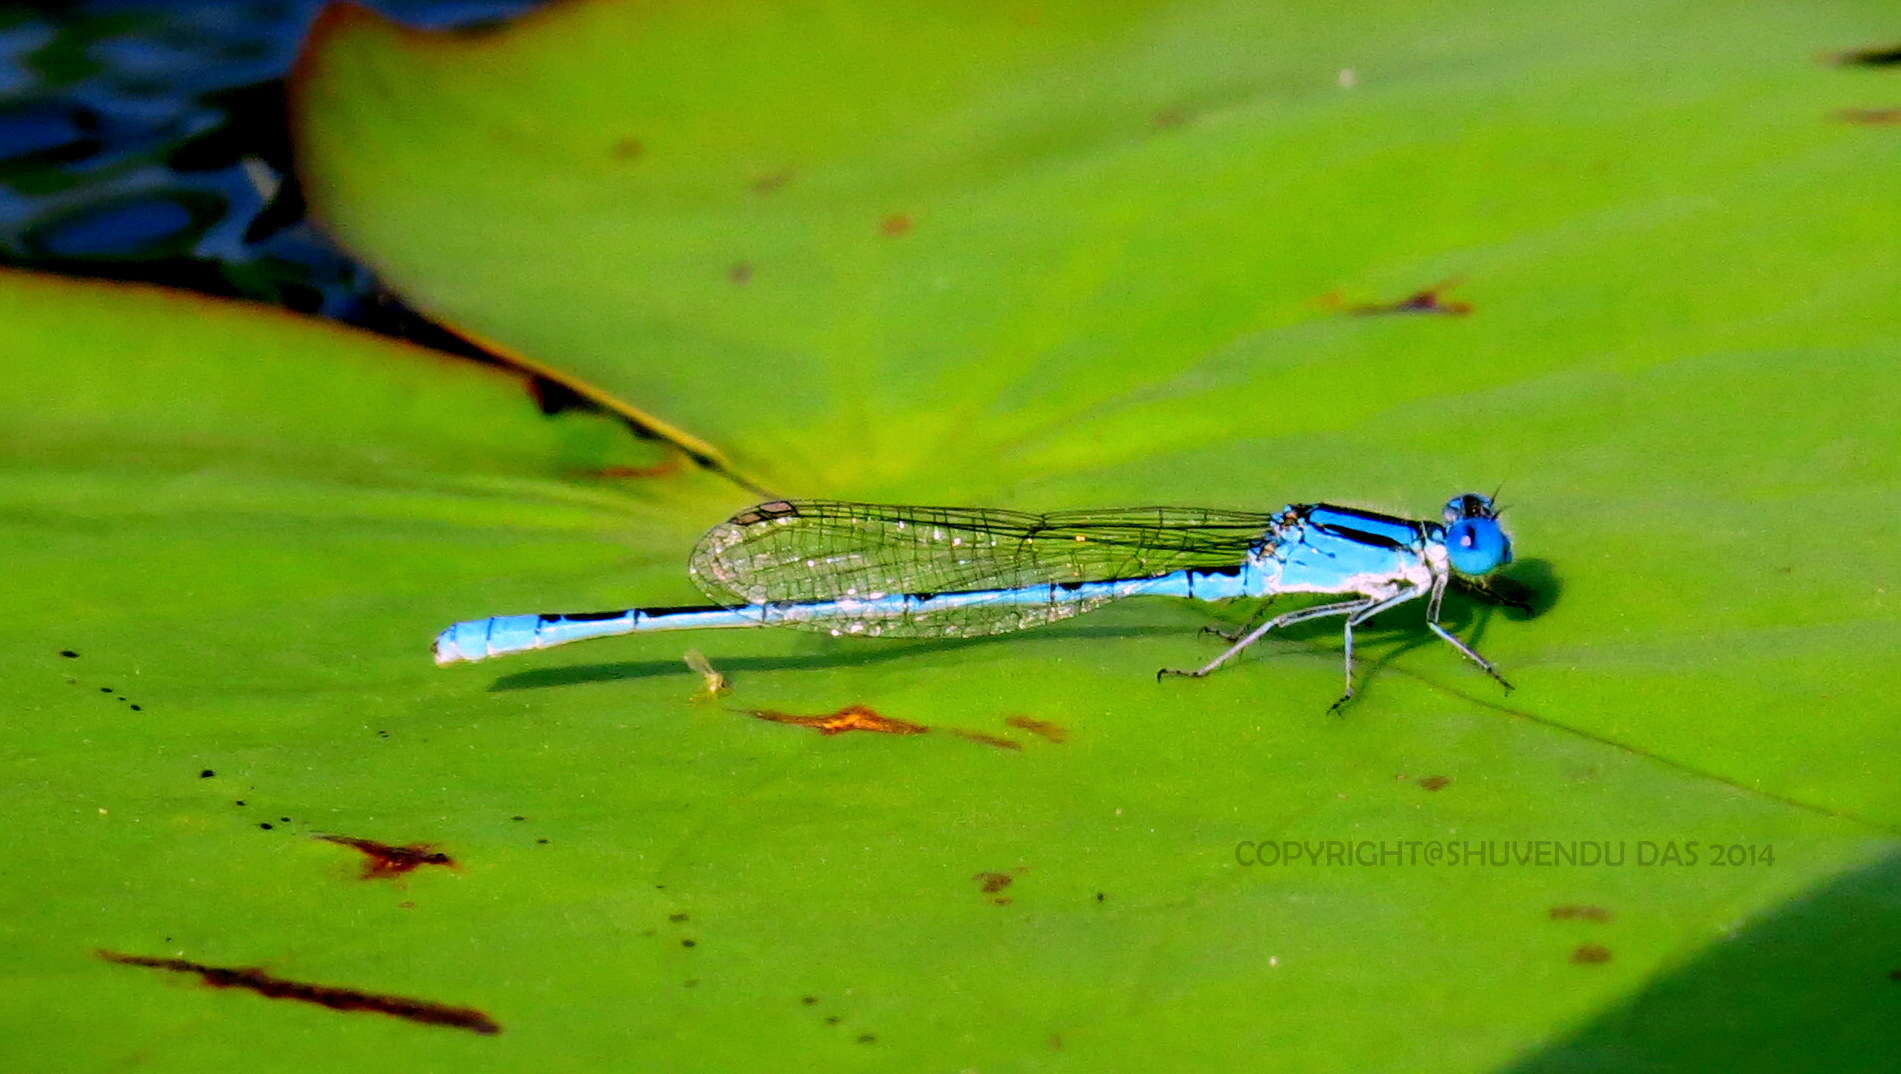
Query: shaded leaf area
pixel 250 527
pixel 1729 1007
pixel 990 247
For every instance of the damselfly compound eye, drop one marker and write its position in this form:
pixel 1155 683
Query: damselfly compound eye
pixel 1477 546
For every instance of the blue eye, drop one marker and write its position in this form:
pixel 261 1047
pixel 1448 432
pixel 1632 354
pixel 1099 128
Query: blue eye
pixel 1477 546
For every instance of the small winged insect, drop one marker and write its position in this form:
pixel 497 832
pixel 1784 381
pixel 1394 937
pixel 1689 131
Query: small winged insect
pixel 712 683
pixel 955 572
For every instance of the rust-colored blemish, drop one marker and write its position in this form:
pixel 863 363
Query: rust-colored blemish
pixel 895 225
pixel 382 859
pixel 1051 731
pixel 986 740
pixel 991 883
pixel 1870 117
pixel 740 273
pixel 1580 913
pixel 659 469
pixel 1428 300
pixel 771 181
pixel 628 149
pixel 337 999
pixel 849 718
pixel 1433 783
pixel 1591 954
pixel 1169 118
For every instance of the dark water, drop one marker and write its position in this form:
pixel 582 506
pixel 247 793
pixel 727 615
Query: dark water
pixel 145 140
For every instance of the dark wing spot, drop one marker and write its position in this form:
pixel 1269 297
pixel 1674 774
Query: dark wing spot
pixel 765 512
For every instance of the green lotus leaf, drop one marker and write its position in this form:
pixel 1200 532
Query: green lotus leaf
pixel 1624 259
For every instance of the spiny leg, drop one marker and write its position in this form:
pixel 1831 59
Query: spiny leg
pixel 1345 607
pixel 1232 636
pixel 1367 611
pixel 1432 622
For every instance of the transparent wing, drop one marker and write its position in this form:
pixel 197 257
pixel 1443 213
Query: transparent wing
pixel 815 550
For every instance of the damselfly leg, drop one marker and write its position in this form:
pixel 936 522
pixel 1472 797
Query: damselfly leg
pixel 1232 636
pixel 1432 622
pixel 1345 607
pixel 1367 611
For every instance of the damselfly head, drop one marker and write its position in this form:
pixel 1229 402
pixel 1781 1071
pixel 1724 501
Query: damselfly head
pixel 1475 542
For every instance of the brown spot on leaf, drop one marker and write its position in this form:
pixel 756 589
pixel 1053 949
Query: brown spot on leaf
pixel 895 225
pixel 660 469
pixel 382 859
pixel 337 999
pixel 849 718
pixel 628 149
pixel 986 740
pixel 991 883
pixel 1591 954
pixel 1168 118
pixel 1870 117
pixel 1433 783
pixel 1051 731
pixel 771 181
pixel 740 273
pixel 1428 300
pixel 1580 913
